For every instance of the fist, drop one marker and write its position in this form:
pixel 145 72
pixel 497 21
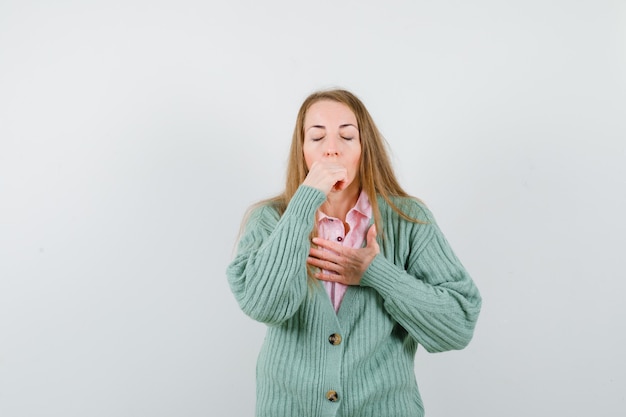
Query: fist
pixel 327 175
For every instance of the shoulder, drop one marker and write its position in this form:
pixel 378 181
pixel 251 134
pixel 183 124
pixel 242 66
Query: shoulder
pixel 410 206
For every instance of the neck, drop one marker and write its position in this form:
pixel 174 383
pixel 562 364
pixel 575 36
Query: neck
pixel 339 203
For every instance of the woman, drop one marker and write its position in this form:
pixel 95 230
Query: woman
pixel 349 272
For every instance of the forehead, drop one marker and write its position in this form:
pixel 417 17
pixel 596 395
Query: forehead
pixel 329 113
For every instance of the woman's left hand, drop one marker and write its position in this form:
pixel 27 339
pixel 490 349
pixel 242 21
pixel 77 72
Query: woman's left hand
pixel 342 264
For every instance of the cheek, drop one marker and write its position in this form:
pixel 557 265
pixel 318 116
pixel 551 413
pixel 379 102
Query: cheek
pixel 356 161
pixel 308 158
pixel 355 166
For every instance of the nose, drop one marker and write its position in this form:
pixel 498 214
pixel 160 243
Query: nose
pixel 331 147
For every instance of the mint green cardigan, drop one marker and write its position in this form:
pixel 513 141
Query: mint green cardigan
pixel 414 292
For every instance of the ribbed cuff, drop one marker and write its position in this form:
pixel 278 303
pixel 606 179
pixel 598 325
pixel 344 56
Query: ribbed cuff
pixel 380 275
pixel 305 202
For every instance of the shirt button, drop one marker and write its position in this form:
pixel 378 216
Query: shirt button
pixel 334 339
pixel 339 238
pixel 332 396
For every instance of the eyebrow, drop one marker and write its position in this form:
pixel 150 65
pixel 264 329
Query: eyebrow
pixel 340 126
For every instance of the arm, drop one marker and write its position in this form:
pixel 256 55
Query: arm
pixel 434 299
pixel 268 274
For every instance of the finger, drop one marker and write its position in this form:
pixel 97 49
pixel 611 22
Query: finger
pixel 371 236
pixel 339 185
pixel 342 179
pixel 325 265
pixel 330 277
pixel 328 244
pixel 323 254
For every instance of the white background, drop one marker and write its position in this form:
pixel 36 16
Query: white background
pixel 134 134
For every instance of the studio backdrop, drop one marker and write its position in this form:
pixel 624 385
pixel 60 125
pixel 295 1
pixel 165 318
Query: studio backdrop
pixel 134 135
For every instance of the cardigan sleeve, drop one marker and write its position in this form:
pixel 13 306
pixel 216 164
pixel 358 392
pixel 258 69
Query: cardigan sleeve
pixel 268 273
pixel 431 295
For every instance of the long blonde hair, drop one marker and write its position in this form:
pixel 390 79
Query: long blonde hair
pixel 376 173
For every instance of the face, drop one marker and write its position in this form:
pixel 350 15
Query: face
pixel 331 131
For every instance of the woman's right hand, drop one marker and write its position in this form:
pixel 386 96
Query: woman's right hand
pixel 327 175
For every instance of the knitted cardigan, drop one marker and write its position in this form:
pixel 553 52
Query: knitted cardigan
pixel 414 292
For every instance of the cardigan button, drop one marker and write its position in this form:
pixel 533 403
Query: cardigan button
pixel 334 339
pixel 332 396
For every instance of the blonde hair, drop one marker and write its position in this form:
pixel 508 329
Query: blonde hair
pixel 376 173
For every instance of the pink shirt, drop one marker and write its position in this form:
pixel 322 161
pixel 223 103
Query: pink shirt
pixel 332 228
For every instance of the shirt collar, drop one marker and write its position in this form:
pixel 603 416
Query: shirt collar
pixel 362 207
